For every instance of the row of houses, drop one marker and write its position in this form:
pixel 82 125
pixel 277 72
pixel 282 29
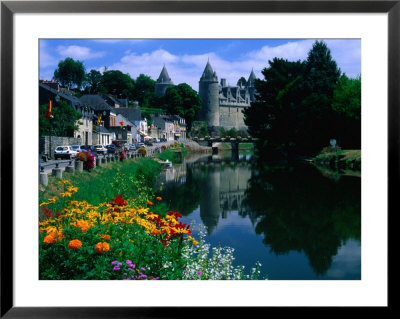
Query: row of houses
pixel 106 118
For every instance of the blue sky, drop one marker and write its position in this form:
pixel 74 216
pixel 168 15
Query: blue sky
pixel 185 59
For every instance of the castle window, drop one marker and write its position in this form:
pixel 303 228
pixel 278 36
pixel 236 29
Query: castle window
pixel 237 110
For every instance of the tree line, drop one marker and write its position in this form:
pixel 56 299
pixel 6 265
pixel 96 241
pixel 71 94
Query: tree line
pixel 179 100
pixel 300 106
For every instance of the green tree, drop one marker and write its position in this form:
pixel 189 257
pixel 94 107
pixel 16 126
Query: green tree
pixel 321 77
pixel 293 111
pixel 70 73
pixel 275 115
pixel 182 100
pixel 144 90
pixel 117 83
pixel 347 106
pixel 347 97
pixel 93 81
pixel 241 82
pixel 65 120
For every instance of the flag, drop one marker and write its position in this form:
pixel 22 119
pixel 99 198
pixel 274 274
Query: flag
pixel 99 119
pixel 48 114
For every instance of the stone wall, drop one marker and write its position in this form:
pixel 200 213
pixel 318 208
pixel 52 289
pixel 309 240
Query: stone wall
pixel 47 144
pixel 232 117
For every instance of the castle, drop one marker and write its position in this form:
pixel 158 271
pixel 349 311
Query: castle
pixel 222 104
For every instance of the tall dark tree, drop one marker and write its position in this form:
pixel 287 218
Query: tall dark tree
pixel 93 81
pixel 144 90
pixel 183 101
pixel 70 73
pixel 293 111
pixel 321 77
pixel 117 83
pixel 273 117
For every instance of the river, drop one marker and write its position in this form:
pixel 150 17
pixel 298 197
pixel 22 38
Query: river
pixel 300 222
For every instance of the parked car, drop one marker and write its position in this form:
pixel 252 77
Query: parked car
pixel 64 151
pixel 163 139
pixel 148 143
pixel 156 140
pixel 139 145
pixel 100 149
pixel 111 149
pixel 76 148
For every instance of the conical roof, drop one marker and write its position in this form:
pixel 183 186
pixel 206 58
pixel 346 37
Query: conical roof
pixel 252 77
pixel 208 73
pixel 164 77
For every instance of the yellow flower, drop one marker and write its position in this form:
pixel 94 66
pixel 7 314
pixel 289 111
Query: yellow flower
pixel 72 189
pixel 194 242
pixel 64 181
pixel 66 194
pixel 52 199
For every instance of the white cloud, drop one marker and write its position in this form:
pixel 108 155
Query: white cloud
pixel 78 52
pixel 189 68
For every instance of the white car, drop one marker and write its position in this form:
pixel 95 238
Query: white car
pixel 64 151
pixel 100 149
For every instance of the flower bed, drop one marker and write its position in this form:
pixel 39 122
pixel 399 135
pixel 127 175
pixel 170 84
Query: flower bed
pixel 123 239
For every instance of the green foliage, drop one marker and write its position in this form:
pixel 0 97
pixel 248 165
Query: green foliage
pixel 70 73
pixel 241 82
pixel 144 90
pixel 64 122
pixel 93 81
pixel 295 111
pixel 183 101
pixel 347 97
pixel 199 128
pixel 117 83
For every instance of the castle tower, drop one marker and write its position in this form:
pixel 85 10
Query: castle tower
pixel 250 85
pixel 163 82
pixel 209 93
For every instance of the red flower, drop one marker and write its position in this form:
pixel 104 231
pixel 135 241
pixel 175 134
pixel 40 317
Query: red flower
pixel 119 201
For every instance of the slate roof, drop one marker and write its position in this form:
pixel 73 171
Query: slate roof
pixel 130 113
pixel 164 77
pixel 74 101
pixel 96 102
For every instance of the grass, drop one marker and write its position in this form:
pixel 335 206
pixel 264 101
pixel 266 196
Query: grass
pixel 344 159
pixel 101 183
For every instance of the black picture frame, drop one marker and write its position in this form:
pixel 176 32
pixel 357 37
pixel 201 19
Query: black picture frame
pixel 9 8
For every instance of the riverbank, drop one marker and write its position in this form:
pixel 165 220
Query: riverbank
pixel 339 159
pixel 111 223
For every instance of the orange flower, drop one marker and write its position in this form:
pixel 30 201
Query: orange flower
pixel 83 225
pixel 75 244
pixel 149 203
pixel 158 198
pixel 50 239
pixel 102 247
pixel 156 232
pixel 105 237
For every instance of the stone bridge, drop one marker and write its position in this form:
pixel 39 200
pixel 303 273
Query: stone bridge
pixel 235 141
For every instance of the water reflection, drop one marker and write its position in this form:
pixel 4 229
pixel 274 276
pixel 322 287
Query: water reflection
pixel 293 211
